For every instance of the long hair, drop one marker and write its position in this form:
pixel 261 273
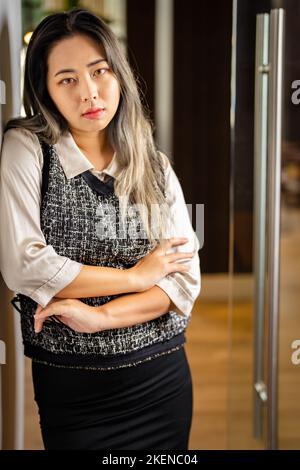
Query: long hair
pixel 129 132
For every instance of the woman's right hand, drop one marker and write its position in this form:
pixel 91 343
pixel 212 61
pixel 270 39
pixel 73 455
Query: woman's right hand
pixel 158 263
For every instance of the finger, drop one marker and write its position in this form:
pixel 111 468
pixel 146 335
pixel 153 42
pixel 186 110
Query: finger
pixel 39 322
pixel 180 268
pixel 39 308
pixel 57 318
pixel 38 325
pixel 179 256
pixel 174 241
pixel 57 307
pixel 46 312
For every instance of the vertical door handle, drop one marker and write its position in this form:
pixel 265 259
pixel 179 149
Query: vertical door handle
pixel 259 222
pixel 275 100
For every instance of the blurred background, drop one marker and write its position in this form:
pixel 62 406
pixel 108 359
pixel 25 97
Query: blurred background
pixel 217 83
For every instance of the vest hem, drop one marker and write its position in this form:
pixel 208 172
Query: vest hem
pixel 101 362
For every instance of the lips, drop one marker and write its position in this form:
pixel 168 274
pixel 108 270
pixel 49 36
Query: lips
pixel 93 111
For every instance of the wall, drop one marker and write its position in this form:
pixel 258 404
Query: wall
pixel 199 115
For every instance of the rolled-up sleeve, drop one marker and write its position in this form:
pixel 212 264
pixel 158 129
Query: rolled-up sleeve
pixel 28 265
pixel 182 288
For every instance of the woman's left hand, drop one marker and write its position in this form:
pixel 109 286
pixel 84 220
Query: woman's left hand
pixel 73 313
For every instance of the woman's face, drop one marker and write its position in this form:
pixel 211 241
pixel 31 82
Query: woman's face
pixel 79 78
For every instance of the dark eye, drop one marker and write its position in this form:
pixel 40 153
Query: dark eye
pixel 65 81
pixel 101 71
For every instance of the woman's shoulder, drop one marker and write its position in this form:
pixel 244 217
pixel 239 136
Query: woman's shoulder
pixel 21 144
pixel 20 134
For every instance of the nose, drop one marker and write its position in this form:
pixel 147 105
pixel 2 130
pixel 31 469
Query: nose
pixel 88 90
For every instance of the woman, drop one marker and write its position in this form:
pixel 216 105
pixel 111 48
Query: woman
pixel 87 206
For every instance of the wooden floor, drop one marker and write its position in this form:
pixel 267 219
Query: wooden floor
pixel 207 351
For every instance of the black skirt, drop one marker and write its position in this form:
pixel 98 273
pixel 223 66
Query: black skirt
pixel 143 407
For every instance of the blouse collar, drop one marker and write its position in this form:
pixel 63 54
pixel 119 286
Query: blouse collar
pixel 74 162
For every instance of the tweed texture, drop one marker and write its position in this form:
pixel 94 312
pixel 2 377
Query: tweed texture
pixel 80 218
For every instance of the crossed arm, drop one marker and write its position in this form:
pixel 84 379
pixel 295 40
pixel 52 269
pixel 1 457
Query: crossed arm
pixel 124 311
pixel 140 304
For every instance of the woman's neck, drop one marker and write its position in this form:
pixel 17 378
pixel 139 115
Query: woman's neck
pixel 95 147
pixel 90 142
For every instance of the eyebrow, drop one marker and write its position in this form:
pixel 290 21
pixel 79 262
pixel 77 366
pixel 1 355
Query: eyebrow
pixel 88 65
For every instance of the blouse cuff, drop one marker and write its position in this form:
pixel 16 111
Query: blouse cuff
pixel 67 273
pixel 182 302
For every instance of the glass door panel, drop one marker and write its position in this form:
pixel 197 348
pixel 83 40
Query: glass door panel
pixel 264 380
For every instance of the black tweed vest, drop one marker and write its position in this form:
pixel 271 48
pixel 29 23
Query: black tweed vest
pixel 80 218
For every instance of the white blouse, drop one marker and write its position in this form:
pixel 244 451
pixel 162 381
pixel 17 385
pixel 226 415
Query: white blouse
pixel 33 268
